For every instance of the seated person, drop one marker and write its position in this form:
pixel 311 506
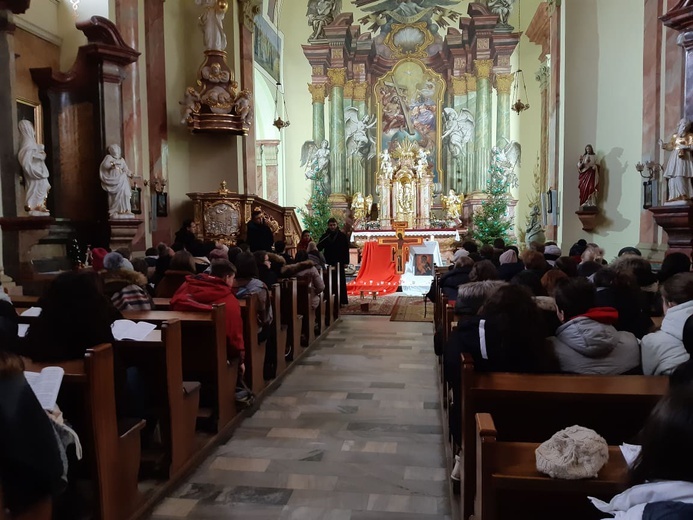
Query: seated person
pixel 305 240
pixel 185 238
pixel 182 265
pixel 450 282
pixel 200 291
pixel 661 478
pixel 264 268
pixel 587 342
pixel 304 269
pixel 280 249
pixel 124 286
pixel 316 256
pixel 31 467
pixel 247 282
pixel 8 322
pixel 619 290
pixel 162 263
pixel 509 265
pixel 663 351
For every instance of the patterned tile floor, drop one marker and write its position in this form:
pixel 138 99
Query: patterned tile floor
pixel 353 433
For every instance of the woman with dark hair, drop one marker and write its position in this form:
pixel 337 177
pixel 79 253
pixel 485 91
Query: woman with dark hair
pixel 483 270
pixel 621 292
pixel 587 342
pixel 248 282
pixel 662 476
pixel 663 351
pixel 182 265
pixel 264 268
pixel 75 316
pixel 674 263
pixel 568 265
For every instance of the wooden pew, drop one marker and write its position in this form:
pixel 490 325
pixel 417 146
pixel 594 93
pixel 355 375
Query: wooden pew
pixel 254 351
pixel 336 290
pixel 280 328
pixel 205 358
pixel 111 448
pixel 291 317
pixel 508 485
pixel 23 300
pixel 176 401
pixel 532 407
pixel 329 296
pixel 304 295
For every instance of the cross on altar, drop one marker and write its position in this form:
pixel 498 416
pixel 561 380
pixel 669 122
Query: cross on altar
pixel 400 245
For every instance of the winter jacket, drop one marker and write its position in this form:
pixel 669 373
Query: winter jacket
pixel 126 289
pixel 170 283
pixel 506 272
pixel 644 502
pixel 245 287
pixel 450 281
pixel 307 271
pixel 631 316
pixel 589 344
pixel 199 292
pixel 663 351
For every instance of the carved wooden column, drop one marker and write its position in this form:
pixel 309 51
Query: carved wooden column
pixel 248 10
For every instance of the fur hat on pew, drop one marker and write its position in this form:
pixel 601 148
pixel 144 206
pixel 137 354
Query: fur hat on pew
pixel 572 454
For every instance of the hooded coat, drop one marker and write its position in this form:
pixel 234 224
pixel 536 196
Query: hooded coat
pixel 590 344
pixel 307 271
pixel 126 289
pixel 663 351
pixel 199 292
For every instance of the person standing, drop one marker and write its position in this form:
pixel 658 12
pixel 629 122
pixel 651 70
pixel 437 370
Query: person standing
pixel 259 236
pixel 335 245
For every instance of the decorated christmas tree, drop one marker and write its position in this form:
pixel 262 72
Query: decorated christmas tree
pixel 318 210
pixel 491 220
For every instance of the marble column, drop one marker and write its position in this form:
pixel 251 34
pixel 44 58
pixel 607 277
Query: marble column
pixel 157 116
pixel 318 93
pixel 352 160
pixel 483 121
pixel 9 167
pixel 458 174
pixel 543 76
pixel 246 15
pixel 337 79
pixel 504 83
pixel 364 168
pixel 471 145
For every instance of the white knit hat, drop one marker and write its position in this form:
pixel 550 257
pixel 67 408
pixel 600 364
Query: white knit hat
pixel 572 454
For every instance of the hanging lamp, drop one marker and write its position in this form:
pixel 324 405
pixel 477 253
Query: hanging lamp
pixel 280 123
pixel 519 106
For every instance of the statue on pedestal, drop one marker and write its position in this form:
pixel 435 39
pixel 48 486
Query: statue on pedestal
pixel 588 171
pixel 321 13
pixel 452 204
pixel 115 180
pixel 502 8
pixel 212 23
pixel 358 208
pixel 359 138
pixel 679 168
pixel 316 160
pixel 32 158
pixel 459 129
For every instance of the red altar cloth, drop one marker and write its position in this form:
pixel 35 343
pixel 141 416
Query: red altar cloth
pixel 377 271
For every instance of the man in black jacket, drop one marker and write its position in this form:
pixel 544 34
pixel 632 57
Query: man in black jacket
pixel 259 236
pixel 335 245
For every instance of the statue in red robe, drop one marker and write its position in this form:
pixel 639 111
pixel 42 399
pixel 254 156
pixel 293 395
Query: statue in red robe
pixel 588 171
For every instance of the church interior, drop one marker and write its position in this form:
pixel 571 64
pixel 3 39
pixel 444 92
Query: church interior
pixel 398 145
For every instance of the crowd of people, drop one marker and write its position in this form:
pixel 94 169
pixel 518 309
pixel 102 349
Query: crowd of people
pixel 544 312
pixel 79 307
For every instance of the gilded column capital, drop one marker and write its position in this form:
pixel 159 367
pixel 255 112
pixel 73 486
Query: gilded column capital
pixel 471 82
pixel 337 77
pixel 318 91
pixel 482 68
pixel 349 89
pixel 504 82
pixel 249 8
pixel 360 91
pixel 458 86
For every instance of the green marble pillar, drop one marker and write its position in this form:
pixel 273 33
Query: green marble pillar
pixel 483 122
pixel 471 165
pixel 503 85
pixel 337 79
pixel 358 171
pixel 351 160
pixel 318 92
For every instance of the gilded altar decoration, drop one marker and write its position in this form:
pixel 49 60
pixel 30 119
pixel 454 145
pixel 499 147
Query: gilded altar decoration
pixel 409 40
pixel 405 186
pixel 222 220
pixel 218 104
pixel 452 205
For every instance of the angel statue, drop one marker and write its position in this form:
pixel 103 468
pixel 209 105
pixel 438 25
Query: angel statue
pixel 422 162
pixel 321 13
pixel 359 138
pixel 190 103
pixel 369 205
pixel 452 204
pixel 358 207
pixel 316 161
pixel 502 8
pixel 535 231
pixel 32 158
pixel 509 158
pixel 212 23
pixel 386 164
pixel 458 130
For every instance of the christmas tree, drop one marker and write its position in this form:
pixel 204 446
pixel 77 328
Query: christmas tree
pixel 491 220
pixel 317 214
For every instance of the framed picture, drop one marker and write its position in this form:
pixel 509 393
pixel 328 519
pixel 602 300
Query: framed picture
pixel 423 265
pixel 162 204
pixel 136 200
pixel 31 111
pixel 648 194
pixel 267 48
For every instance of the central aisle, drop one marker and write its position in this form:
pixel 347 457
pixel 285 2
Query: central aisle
pixel 353 433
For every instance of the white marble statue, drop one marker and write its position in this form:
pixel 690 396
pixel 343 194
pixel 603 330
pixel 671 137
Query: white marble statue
pixel 679 169
pixel 502 8
pixel 321 13
pixel 32 159
pixel 386 167
pixel 458 130
pixel 359 135
pixel 422 162
pixel 316 160
pixel 115 180
pixel 212 23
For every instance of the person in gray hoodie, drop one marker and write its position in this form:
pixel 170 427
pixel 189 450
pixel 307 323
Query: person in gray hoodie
pixel 587 342
pixel 663 351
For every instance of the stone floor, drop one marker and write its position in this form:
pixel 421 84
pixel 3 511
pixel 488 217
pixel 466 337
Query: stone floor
pixel 353 433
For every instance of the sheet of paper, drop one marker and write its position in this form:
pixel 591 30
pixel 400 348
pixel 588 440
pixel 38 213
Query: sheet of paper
pixel 32 311
pixel 630 452
pixel 46 385
pixel 22 329
pixel 127 329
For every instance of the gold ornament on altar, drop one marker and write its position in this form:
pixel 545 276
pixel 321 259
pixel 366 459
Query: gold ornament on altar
pixel 452 205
